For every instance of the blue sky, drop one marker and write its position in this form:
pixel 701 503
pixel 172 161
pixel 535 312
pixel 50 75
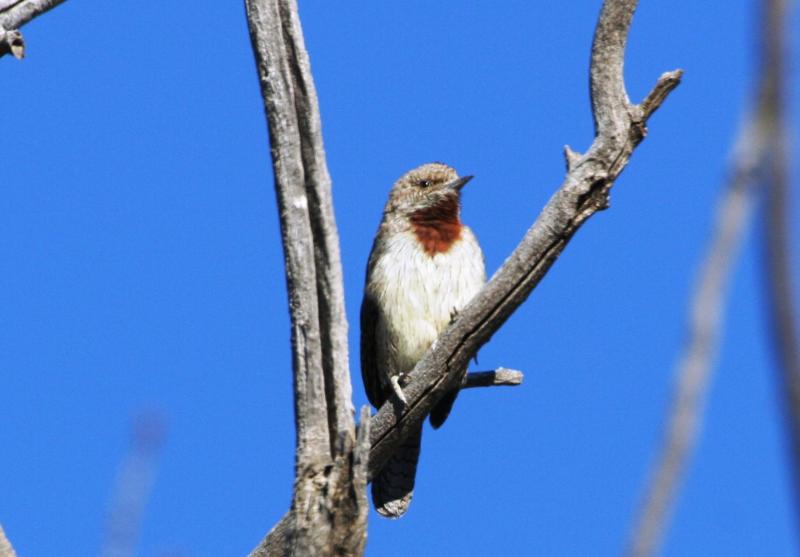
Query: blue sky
pixel 141 269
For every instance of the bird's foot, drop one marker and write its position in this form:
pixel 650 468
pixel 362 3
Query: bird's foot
pixel 398 390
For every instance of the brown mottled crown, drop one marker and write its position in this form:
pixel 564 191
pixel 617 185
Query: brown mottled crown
pixel 431 208
pixel 419 187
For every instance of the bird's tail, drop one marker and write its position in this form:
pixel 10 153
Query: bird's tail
pixel 442 409
pixel 393 487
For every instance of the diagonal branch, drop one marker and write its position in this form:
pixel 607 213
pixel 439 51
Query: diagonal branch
pixel 6 550
pixel 620 126
pixel 13 15
pixel 302 187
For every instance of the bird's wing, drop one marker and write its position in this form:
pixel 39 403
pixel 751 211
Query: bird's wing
pixel 370 373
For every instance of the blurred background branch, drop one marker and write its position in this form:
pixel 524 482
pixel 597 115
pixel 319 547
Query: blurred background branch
pixel 780 301
pixel 134 485
pixel 759 152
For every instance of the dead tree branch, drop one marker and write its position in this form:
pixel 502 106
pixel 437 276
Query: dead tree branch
pixel 329 508
pixel 328 512
pixel 13 15
pixel 756 140
pixel 501 377
pixel 619 128
pixel 6 550
pixel 781 304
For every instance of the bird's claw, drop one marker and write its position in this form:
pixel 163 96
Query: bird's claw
pixel 397 390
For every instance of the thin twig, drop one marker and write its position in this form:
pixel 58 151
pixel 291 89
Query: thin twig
pixel 500 377
pixel 781 304
pixel 705 315
pixel 620 126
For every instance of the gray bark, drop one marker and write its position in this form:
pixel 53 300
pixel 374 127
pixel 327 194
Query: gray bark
pixel 501 377
pixel 6 550
pixel 13 15
pixel 329 506
pixel 328 514
pixel 619 127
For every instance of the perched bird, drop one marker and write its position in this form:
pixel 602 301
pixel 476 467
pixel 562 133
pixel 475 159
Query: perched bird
pixel 424 267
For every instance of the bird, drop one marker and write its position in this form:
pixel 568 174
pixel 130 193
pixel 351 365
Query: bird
pixel 424 267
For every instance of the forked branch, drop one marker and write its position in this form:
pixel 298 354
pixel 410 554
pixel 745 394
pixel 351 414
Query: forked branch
pixel 619 127
pixel 328 513
pixel 13 15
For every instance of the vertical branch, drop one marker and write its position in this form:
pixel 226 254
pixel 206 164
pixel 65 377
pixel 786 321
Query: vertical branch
pixel 610 101
pixel 330 279
pixel 759 140
pixel 328 514
pixel 781 304
pixel 317 523
pixel 269 33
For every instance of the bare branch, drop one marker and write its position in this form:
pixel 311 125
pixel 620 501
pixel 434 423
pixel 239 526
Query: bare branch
pixel 13 15
pixel 666 83
pixel 501 377
pixel 280 540
pixel 620 126
pixel 291 105
pixel 781 304
pixel 6 550
pixel 705 316
pixel 328 514
pixel 277 67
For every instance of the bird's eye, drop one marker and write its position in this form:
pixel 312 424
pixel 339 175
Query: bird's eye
pixel 424 183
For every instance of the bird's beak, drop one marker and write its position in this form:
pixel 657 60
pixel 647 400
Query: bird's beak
pixel 458 183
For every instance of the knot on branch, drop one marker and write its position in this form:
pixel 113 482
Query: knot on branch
pixel 638 128
pixel 596 198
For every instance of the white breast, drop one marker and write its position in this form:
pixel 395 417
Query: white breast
pixel 419 294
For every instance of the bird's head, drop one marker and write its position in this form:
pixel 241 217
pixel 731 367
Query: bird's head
pixel 431 192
